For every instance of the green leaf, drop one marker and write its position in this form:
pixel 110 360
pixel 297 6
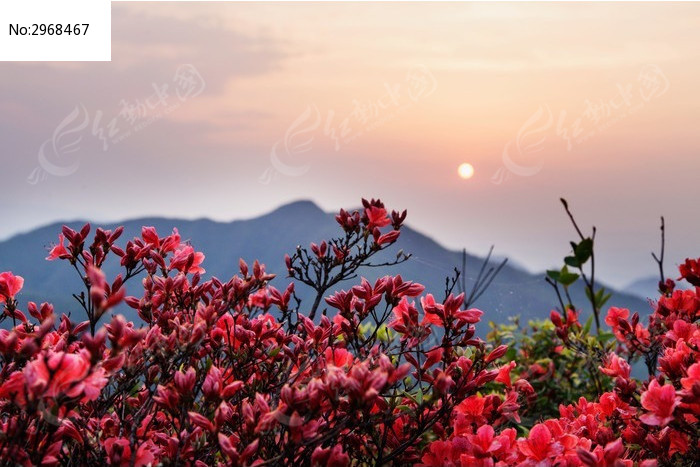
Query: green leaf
pixel 366 329
pixel 587 326
pixel 584 250
pixel 567 278
pixel 604 337
pixel 384 333
pixel 553 274
pixel 572 261
pixel 601 297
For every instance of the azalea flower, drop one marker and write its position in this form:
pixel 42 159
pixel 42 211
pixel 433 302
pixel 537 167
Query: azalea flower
pixel 504 374
pixel 616 366
pixel 692 378
pixel 233 372
pixel 119 453
pixel 690 271
pixel 59 250
pixel 539 446
pixel 186 260
pixel 615 315
pixel 660 401
pixel 377 217
pixel 52 374
pixel 10 285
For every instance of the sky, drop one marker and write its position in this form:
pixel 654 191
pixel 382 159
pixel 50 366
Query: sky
pixel 228 111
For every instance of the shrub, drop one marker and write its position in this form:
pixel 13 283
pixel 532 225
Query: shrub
pixel 234 373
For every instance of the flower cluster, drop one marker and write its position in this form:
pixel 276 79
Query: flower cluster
pixel 236 372
pixel 645 423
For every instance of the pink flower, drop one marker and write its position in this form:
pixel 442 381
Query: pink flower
pixel 377 217
pixel 59 250
pixel 389 237
pixel 660 401
pixel 615 314
pixel 556 318
pixel 690 271
pixel 504 374
pixel 445 453
pixel 58 373
pixel 616 366
pixel 338 357
pixel 186 260
pixel 331 457
pixel 693 377
pixel 434 312
pixel 484 443
pixel 13 389
pixel 607 457
pixel 150 236
pixel 433 356
pixel 10 285
pixel 119 452
pixel 472 409
pixel 539 446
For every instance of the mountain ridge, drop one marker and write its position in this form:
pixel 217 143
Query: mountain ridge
pixel 267 238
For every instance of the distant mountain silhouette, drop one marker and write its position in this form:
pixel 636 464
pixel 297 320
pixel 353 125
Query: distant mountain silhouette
pixel 648 287
pixel 267 238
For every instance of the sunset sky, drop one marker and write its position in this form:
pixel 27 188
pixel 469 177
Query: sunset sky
pixel 227 111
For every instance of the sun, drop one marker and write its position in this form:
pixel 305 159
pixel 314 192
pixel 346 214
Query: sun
pixel 465 171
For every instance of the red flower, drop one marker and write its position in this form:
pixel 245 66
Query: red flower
pixel 615 315
pixel 14 389
pixel 504 374
pixel 186 260
pixel 54 373
pixel 389 237
pixel 610 456
pixel 690 271
pixel 434 312
pixel 693 377
pixel 338 357
pixel 616 366
pixel 377 217
pixel 119 452
pixel 556 318
pixel 539 446
pixel 660 401
pixel 434 356
pixel 484 443
pixel 445 453
pixel 59 250
pixel 10 285
pixel 242 377
pixel 330 457
pixel 472 408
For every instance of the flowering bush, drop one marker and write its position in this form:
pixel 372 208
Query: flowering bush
pixel 236 373
pixel 557 372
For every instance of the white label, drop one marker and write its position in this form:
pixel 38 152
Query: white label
pixel 55 30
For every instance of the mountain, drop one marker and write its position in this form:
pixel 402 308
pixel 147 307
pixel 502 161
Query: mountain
pixel 648 287
pixel 267 238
